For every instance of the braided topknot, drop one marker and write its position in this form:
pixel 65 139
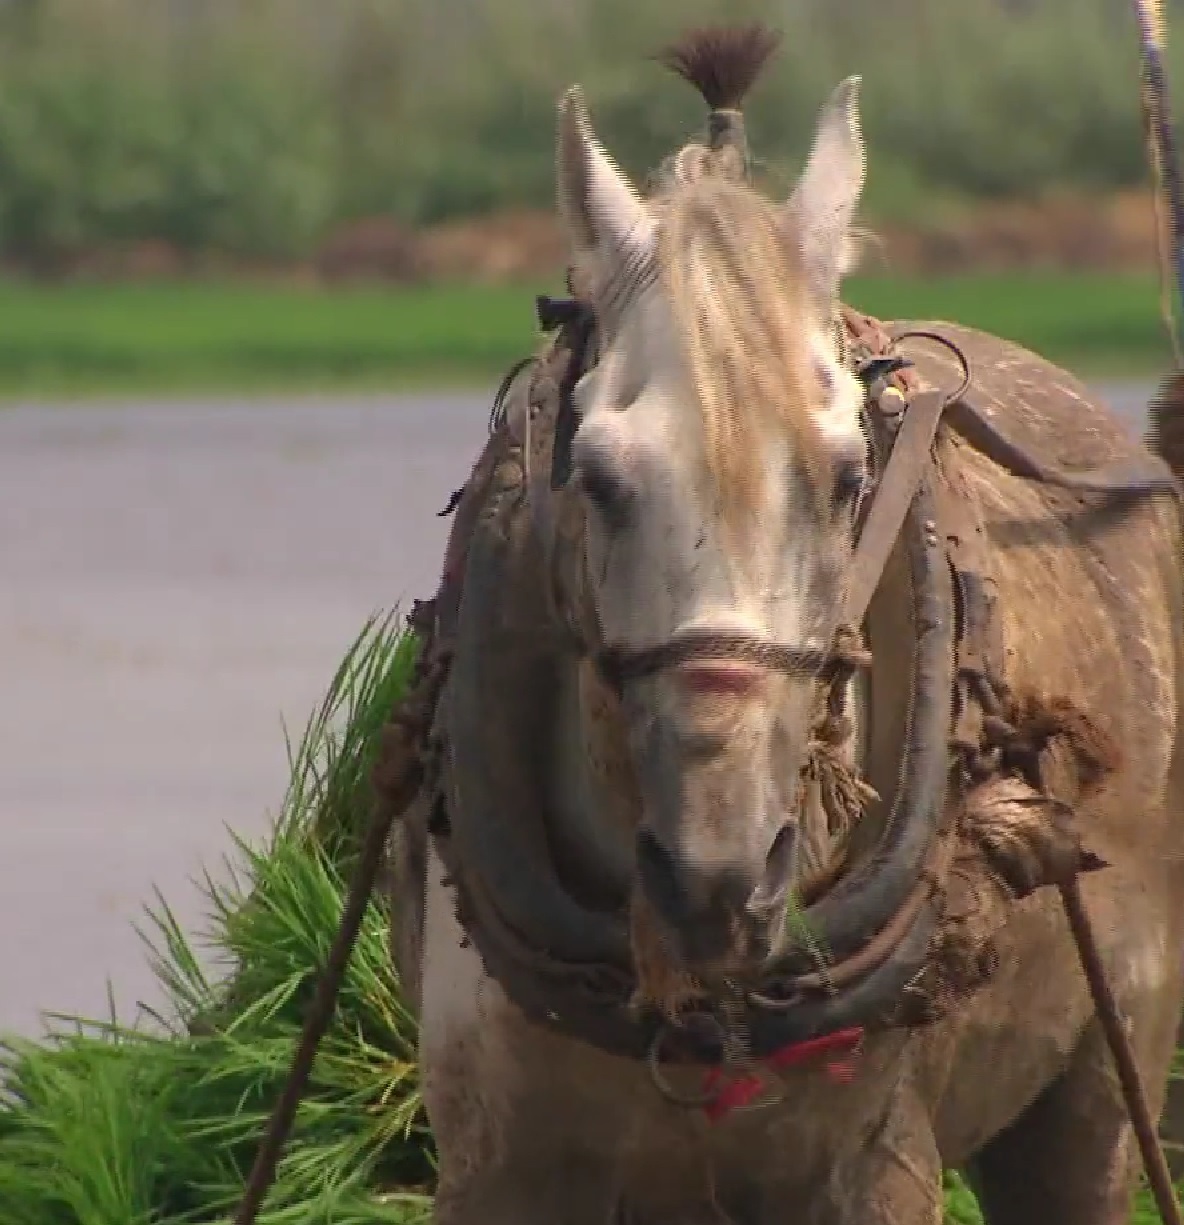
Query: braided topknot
pixel 722 63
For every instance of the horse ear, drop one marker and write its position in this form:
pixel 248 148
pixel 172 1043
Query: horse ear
pixel 605 219
pixel 823 204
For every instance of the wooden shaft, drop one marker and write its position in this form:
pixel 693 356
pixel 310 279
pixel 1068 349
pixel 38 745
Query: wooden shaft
pixel 1154 1161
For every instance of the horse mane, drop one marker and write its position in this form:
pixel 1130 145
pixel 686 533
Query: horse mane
pixel 736 287
pixel 734 277
pixel 721 62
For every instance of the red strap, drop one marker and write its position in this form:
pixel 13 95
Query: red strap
pixel 741 1090
pixel 798 1052
pixel 734 1094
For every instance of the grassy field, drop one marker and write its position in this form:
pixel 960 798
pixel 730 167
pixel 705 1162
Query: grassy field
pixel 207 337
pixel 158 1126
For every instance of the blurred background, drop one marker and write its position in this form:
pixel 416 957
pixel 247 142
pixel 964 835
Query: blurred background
pixel 295 145
pixel 262 263
pixel 186 134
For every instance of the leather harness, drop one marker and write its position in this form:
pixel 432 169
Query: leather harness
pixel 957 682
pixel 941 531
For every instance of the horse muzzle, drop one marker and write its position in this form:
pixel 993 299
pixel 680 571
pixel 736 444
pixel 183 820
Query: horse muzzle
pixel 719 916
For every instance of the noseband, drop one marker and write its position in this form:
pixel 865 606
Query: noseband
pixel 619 665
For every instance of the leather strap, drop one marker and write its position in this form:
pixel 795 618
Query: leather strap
pixel 893 496
pixel 1149 475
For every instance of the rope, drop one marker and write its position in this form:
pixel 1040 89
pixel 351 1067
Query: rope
pixel 1169 196
pixel 1159 1177
pixel 1169 207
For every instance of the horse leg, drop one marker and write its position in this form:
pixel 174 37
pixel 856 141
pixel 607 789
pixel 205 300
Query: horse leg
pixel 567 1190
pixel 895 1177
pixel 514 1144
pixel 1072 1155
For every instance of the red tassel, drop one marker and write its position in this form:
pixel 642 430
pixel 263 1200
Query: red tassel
pixel 735 1094
pixel 799 1052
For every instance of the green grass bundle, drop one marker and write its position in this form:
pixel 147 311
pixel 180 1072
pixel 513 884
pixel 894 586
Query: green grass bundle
pixel 102 1124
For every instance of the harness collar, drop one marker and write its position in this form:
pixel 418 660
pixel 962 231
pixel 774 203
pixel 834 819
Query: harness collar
pixel 878 921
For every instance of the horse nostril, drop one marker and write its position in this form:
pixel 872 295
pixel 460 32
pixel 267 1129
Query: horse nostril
pixel 778 872
pixel 659 876
pixel 689 892
pixel 723 678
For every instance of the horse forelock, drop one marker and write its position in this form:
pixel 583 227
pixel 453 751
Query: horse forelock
pixel 737 292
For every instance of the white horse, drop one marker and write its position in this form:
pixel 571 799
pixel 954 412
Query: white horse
pixel 719 455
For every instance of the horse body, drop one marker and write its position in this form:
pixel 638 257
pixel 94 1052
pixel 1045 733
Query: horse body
pixel 1020 1079
pixel 1014 1083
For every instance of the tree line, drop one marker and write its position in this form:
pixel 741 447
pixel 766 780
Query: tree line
pixel 253 127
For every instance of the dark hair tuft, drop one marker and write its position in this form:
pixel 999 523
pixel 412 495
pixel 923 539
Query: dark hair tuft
pixel 721 62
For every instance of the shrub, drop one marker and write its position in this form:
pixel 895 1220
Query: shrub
pixel 254 128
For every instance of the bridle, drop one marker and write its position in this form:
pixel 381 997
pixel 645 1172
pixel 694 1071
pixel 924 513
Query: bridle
pixel 881 507
pixel 619 665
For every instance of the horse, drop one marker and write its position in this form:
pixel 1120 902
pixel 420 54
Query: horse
pixel 689 846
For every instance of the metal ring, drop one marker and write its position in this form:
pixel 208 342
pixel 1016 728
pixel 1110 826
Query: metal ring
pixel 653 1058
pixel 768 1004
pixel 937 338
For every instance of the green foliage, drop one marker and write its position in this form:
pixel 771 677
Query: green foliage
pixel 103 1125
pixel 119 121
pixel 252 128
pixel 158 1124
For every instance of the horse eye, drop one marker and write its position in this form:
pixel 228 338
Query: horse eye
pixel 604 487
pixel 826 378
pixel 849 477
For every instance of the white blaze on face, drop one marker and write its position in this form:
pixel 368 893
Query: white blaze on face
pixel 670 565
pixel 659 551
pixel 655 550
